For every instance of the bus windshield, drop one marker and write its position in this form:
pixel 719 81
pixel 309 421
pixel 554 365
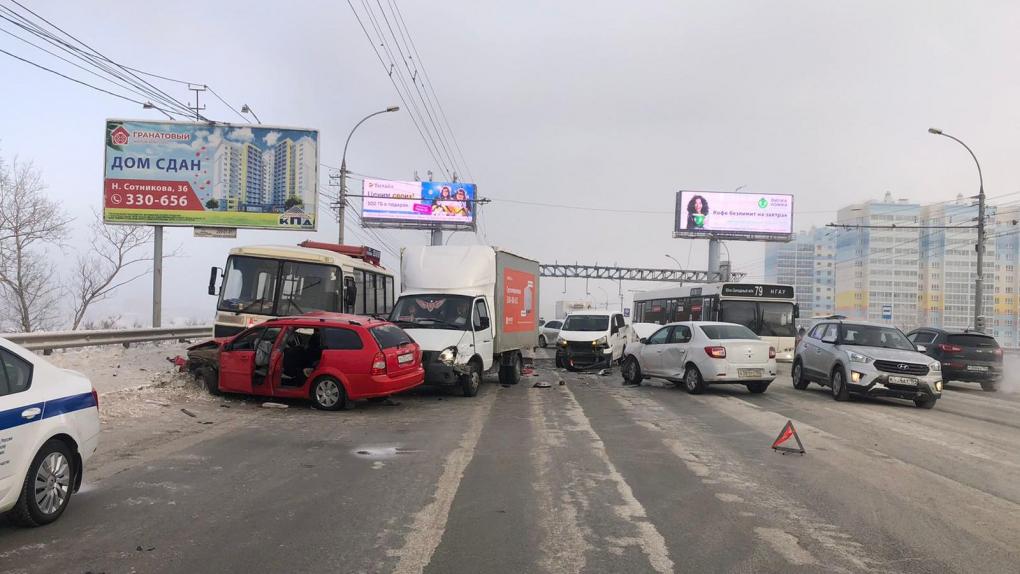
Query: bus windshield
pixel 275 287
pixel 766 319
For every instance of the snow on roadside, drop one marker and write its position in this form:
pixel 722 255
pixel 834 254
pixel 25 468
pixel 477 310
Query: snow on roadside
pixel 113 368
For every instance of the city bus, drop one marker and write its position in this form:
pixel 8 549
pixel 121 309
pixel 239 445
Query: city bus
pixel 768 310
pixel 264 281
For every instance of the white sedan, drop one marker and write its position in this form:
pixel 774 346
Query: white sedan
pixel 49 427
pixel 699 353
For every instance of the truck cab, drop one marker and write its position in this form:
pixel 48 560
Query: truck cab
pixel 592 339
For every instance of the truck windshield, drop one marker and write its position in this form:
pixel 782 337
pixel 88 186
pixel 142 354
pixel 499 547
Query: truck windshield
pixel 251 285
pixel 433 312
pixel 586 323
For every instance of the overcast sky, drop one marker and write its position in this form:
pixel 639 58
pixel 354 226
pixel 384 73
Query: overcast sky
pixel 598 104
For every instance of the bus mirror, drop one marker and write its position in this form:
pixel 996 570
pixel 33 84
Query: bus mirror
pixel 796 311
pixel 213 273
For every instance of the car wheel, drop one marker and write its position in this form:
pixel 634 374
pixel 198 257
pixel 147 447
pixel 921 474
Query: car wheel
pixel 799 382
pixel 510 374
pixel 470 383
pixel 758 387
pixel 211 380
pixel 631 371
pixel 542 342
pixel 47 487
pixel 328 394
pixel 926 403
pixel 989 386
pixel 693 382
pixel 840 391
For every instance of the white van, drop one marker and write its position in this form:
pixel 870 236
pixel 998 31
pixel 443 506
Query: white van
pixel 592 339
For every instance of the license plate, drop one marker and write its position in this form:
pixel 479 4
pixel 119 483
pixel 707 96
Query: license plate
pixel 902 380
pixel 748 373
pixel 976 368
pixel 403 359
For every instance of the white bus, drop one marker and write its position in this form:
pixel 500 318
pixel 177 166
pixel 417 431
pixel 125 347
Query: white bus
pixel 768 310
pixel 264 281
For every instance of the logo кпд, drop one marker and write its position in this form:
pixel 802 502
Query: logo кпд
pixel 763 203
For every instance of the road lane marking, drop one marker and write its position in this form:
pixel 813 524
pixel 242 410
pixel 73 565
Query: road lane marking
pixel 426 531
pixel 786 544
pixel 705 462
pixel 649 540
pixel 563 547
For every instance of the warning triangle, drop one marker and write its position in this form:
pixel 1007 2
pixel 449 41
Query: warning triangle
pixel 785 435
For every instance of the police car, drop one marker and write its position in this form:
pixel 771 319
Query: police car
pixel 49 427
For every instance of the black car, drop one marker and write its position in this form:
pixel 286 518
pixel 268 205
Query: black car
pixel 966 355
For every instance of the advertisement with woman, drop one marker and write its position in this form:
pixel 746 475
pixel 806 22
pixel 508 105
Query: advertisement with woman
pixel 739 216
pixel 427 202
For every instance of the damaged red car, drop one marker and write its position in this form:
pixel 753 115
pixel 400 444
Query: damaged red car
pixel 330 358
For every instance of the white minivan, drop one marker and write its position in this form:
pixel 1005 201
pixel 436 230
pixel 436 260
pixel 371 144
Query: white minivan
pixel 49 427
pixel 592 339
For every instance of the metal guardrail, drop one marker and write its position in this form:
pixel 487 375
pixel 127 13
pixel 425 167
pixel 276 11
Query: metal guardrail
pixel 46 341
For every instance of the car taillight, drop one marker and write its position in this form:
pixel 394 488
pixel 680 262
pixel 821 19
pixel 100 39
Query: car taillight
pixel 716 352
pixel 95 396
pixel 379 364
pixel 772 352
pixel 947 348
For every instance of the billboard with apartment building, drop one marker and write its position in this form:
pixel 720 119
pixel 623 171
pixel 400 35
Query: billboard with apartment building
pixel 210 175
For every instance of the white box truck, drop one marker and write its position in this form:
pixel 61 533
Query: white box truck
pixel 472 309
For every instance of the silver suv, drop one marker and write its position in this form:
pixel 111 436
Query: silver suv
pixel 861 358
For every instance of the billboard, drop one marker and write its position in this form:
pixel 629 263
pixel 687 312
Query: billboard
pixel 418 204
pixel 739 216
pixel 210 175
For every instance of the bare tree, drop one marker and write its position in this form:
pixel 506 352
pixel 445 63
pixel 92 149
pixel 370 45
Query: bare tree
pixel 116 250
pixel 29 290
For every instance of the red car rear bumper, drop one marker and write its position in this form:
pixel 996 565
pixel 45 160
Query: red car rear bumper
pixel 385 385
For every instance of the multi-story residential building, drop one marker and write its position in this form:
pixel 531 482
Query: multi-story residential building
pixel 948 264
pixel 1005 236
pixel 250 176
pixel 247 178
pixel 226 180
pixel 877 271
pixel 807 264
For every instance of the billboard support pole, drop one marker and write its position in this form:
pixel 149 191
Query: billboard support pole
pixel 713 255
pixel 341 202
pixel 437 236
pixel 157 275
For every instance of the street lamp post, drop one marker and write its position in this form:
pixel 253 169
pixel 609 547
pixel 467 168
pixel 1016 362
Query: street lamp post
pixel 342 200
pixel 979 281
pixel 246 109
pixel 678 265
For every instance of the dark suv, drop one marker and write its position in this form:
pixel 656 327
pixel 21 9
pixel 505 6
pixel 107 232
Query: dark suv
pixel 966 355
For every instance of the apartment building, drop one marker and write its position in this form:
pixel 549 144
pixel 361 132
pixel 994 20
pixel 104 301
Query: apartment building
pixel 807 263
pixel 877 270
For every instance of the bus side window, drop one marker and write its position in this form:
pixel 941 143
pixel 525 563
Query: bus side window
pixel 380 294
pixel 369 293
pixel 391 295
pixel 359 284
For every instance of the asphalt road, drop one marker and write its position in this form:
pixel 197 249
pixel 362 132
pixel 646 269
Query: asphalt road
pixel 589 476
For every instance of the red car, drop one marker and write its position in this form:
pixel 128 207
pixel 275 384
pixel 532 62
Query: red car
pixel 327 357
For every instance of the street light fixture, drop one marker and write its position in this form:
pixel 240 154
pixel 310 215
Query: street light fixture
pixel 343 170
pixel 979 281
pixel 152 106
pixel 246 109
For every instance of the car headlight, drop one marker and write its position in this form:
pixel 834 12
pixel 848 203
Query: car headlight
pixel 600 341
pixel 447 355
pixel 859 358
pixel 935 367
pixel 563 343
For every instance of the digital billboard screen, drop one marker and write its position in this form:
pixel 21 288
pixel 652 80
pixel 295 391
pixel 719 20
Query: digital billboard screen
pixel 419 204
pixel 210 175
pixel 737 216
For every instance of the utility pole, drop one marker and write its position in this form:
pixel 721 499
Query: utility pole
pixel 437 232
